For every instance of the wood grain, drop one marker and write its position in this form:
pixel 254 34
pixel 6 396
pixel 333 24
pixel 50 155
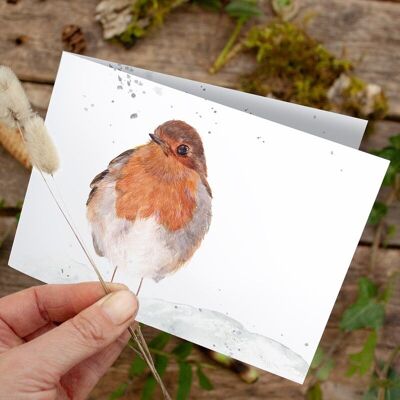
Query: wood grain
pixel 13 180
pixel 367 31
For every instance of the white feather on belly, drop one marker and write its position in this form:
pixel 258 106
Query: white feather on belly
pixel 143 247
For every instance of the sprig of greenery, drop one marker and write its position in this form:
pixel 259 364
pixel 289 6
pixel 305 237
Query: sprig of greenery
pixel 380 208
pixel 241 11
pixel 180 354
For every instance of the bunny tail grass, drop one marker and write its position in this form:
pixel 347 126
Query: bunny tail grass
pixel 40 147
pixel 16 112
pixel 14 105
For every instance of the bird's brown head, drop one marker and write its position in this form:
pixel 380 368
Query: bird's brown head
pixel 180 140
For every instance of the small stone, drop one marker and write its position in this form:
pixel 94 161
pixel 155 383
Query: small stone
pixel 119 87
pixel 134 115
pixel 133 95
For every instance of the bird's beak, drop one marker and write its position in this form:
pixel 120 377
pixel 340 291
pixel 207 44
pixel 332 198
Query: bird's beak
pixel 160 142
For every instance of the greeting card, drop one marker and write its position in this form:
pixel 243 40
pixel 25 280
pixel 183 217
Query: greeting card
pixel 235 217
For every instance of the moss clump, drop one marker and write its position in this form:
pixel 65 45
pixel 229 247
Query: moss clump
pixel 292 66
pixel 361 99
pixel 146 15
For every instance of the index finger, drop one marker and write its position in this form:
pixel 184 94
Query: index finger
pixel 27 311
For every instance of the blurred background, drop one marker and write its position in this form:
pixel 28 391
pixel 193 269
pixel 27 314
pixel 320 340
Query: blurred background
pixel 338 55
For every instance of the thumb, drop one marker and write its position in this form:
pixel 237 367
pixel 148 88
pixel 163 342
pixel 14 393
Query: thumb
pixel 82 336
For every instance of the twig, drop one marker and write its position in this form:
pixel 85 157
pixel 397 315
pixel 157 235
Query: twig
pixel 392 356
pixel 332 349
pixel 224 56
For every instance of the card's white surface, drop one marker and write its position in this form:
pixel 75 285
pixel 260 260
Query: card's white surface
pixel 288 211
pixel 339 128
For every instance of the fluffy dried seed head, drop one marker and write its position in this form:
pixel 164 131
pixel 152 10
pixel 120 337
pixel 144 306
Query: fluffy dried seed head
pixel 41 149
pixel 14 105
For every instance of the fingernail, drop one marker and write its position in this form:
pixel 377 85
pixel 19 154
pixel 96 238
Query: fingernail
pixel 120 306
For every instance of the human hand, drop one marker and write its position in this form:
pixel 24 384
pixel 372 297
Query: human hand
pixel 56 341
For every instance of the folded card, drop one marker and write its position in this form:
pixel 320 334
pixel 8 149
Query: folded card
pixel 236 215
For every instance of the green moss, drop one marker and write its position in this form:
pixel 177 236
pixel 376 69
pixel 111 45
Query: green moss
pixel 295 67
pixel 146 15
pixel 357 101
pixel 381 106
pixel 292 66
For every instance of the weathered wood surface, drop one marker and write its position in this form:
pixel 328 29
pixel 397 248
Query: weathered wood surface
pixel 227 385
pixel 366 30
pixel 190 39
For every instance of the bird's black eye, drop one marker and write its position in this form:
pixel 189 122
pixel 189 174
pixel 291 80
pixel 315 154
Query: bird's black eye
pixel 182 150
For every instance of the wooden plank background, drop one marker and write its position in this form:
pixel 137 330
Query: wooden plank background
pixel 367 31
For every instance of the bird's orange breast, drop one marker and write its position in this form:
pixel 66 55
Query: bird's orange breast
pixel 152 184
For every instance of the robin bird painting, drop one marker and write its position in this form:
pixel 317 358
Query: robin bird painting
pixel 151 208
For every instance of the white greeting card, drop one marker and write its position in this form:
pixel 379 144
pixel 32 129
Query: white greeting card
pixel 242 226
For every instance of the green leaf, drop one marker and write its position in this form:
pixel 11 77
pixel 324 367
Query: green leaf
pixel 138 366
pixel 184 381
pixel 160 341
pixel 366 312
pixel 118 392
pixel 391 385
pixel 209 4
pixel 372 394
pixel 243 9
pixel 367 289
pixel 182 350
pixel 314 392
pixel 362 361
pixel 391 153
pixel 321 365
pixel 390 233
pixel 204 382
pixel 379 210
pixel 318 358
pixel 150 384
pixel 368 315
pixel 395 141
pixel 324 371
pixel 284 3
pixel 393 388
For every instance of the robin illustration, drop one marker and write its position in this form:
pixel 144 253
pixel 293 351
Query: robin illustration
pixel 151 208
